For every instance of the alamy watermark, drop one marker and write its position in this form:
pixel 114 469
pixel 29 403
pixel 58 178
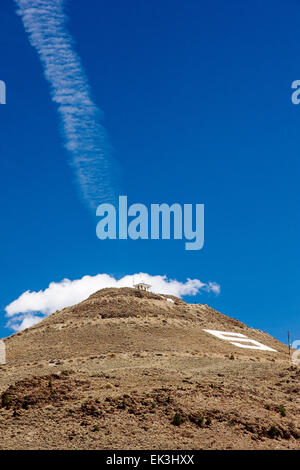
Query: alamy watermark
pixel 161 221
pixel 2 352
pixel 2 92
pixel 296 354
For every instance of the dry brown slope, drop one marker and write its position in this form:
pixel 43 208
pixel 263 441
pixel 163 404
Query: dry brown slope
pixel 125 320
pixel 115 370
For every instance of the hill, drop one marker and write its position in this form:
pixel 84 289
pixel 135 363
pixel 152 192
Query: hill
pixel 126 369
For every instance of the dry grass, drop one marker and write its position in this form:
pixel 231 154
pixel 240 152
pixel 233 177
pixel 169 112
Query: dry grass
pixel 128 371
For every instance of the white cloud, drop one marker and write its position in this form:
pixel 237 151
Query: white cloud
pixel 27 309
pixel 21 322
pixel 85 137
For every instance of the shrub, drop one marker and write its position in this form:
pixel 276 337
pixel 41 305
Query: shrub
pixel 282 410
pixel 273 432
pixel 200 421
pixel 177 419
pixel 6 400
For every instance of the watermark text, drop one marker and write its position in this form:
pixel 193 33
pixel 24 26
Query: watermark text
pixel 2 352
pixel 161 221
pixel 2 92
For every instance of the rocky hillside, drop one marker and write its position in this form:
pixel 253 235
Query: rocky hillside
pixel 133 370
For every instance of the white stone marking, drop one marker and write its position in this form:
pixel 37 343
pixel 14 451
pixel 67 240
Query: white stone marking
pixel 239 340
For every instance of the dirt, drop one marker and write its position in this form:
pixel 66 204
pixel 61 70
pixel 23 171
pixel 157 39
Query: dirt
pixel 130 370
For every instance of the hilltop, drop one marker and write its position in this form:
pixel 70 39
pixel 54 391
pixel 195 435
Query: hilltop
pixel 132 370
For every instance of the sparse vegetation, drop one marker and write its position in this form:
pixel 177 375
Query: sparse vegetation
pixel 6 400
pixel 282 410
pixel 249 427
pixel 178 419
pixel 183 392
pixel 200 422
pixel 273 432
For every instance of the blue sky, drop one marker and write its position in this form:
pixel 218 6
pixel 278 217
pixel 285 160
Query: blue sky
pixel 197 104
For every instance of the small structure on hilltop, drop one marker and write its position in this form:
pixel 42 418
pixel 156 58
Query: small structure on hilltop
pixel 142 286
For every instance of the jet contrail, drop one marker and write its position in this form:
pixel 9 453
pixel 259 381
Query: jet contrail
pixel 85 137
